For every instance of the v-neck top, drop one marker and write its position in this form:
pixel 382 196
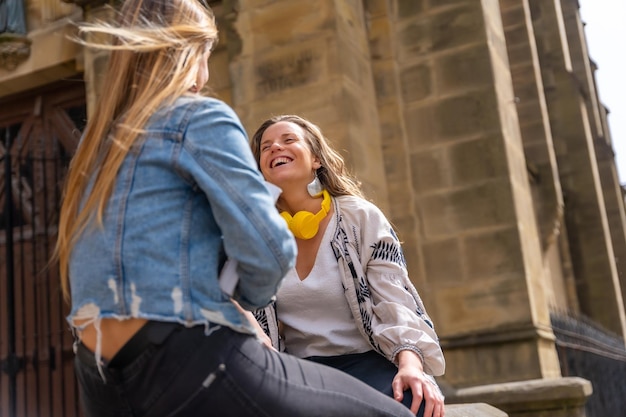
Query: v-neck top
pixel 316 318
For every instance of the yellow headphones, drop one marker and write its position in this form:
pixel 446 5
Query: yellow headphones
pixel 304 224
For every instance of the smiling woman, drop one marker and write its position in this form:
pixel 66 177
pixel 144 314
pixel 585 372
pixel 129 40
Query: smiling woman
pixel 349 302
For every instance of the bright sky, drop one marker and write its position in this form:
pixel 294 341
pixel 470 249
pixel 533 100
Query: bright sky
pixel 606 36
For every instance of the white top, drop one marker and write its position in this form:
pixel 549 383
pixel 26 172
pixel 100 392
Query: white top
pixel 316 318
pixel 385 305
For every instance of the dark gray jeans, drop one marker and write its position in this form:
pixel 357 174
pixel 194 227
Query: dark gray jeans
pixel 371 368
pixel 223 374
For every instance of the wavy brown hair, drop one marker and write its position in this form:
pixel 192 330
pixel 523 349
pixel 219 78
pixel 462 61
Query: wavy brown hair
pixel 156 48
pixel 333 174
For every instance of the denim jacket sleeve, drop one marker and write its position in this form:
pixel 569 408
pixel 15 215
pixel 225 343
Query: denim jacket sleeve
pixel 217 156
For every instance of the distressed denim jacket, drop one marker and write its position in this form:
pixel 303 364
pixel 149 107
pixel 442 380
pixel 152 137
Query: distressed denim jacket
pixel 187 196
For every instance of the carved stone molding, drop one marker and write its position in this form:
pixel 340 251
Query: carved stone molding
pixel 14 49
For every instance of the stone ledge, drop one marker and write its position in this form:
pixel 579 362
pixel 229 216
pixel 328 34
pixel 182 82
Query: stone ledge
pixel 525 396
pixel 473 410
pixel 52 56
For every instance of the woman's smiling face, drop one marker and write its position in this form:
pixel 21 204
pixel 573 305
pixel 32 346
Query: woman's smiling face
pixel 285 154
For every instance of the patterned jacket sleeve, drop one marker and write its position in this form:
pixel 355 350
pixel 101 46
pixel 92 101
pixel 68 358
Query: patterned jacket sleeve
pixel 267 319
pixel 398 319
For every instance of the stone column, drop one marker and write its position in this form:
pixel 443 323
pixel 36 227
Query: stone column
pixel 605 156
pixel 539 151
pixel 390 91
pixel 311 58
pixel 481 273
pixel 585 211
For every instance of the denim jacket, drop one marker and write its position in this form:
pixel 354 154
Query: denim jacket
pixel 187 196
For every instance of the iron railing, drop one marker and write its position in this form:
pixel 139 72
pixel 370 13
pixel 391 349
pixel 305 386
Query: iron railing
pixel 590 352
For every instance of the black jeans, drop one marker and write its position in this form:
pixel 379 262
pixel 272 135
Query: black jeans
pixel 223 374
pixel 371 368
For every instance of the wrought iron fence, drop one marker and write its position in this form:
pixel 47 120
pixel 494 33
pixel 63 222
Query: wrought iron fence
pixel 587 351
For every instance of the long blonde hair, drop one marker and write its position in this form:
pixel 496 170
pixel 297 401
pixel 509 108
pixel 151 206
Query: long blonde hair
pixel 157 46
pixel 333 174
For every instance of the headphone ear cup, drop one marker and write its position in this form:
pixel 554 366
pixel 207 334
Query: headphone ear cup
pixel 287 217
pixel 303 225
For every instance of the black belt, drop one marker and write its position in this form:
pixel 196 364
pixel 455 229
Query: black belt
pixel 152 333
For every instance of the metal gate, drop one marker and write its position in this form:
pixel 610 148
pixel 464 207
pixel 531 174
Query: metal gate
pixel 39 132
pixel 585 350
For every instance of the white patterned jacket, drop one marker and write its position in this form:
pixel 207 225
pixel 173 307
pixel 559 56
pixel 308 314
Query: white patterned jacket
pixel 384 302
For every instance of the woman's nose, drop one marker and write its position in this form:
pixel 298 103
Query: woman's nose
pixel 276 146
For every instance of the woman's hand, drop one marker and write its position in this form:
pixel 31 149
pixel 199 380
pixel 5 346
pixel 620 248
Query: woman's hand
pixel 411 376
pixel 259 331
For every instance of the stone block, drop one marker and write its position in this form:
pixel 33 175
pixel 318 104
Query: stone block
pixel 558 397
pixel 467 115
pixel 485 303
pixel 379 32
pixel 442 261
pixel 429 171
pixel 402 9
pixel 413 39
pixel 391 129
pixel 491 357
pixel 519 53
pixel 396 168
pixel 353 64
pixel 287 68
pixel 416 82
pixel 376 8
pixel 477 161
pixel 219 70
pixel 457 26
pixel 473 410
pixel 494 254
pixel 464 69
pixel 513 14
pixel 283 22
pixel 385 81
pixel 421 129
pixel 468 209
pixel 350 23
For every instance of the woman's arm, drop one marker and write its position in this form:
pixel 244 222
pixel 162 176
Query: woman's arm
pixel 217 156
pixel 257 328
pixel 399 320
pixel 401 325
pixel 411 376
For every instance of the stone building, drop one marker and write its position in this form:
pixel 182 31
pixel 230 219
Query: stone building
pixel 475 125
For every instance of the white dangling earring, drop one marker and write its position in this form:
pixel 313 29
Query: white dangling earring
pixel 315 187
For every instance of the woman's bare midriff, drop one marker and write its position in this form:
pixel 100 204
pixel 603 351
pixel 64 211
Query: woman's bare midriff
pixel 115 334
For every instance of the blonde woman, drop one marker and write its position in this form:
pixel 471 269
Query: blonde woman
pixel 162 190
pixel 348 303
